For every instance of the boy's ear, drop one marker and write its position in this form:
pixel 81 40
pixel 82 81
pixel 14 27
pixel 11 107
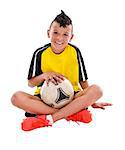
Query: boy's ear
pixel 48 33
pixel 71 37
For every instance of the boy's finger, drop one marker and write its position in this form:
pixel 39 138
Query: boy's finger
pixel 60 76
pixel 107 104
pixel 58 79
pixel 54 81
pixel 47 82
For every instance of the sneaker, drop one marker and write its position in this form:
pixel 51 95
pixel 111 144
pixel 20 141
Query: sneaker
pixel 31 123
pixel 83 116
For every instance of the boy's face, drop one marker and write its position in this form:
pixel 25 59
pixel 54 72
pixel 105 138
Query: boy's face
pixel 59 36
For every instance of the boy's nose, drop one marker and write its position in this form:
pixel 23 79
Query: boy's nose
pixel 59 38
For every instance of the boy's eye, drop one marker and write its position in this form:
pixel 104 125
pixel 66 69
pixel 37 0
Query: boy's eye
pixel 55 32
pixel 65 34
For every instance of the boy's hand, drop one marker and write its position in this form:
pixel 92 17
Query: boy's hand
pixel 101 105
pixel 53 77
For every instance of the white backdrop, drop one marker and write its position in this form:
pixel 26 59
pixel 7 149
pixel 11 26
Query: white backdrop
pixel 99 29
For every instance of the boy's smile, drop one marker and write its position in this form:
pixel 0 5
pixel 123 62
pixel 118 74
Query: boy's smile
pixel 59 36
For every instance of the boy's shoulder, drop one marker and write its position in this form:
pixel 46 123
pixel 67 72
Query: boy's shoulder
pixel 40 49
pixel 75 47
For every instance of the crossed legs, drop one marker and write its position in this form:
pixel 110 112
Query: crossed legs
pixel 33 104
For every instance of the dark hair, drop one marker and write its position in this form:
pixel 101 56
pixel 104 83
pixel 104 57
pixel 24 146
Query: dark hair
pixel 62 19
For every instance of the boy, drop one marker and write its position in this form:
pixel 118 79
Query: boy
pixel 53 62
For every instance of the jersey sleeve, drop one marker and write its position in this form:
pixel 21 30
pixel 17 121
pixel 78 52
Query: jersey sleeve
pixel 82 70
pixel 35 65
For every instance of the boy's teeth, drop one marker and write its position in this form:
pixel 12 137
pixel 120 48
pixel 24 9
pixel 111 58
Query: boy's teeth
pixel 58 43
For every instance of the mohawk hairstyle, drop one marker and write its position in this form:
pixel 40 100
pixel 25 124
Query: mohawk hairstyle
pixel 62 19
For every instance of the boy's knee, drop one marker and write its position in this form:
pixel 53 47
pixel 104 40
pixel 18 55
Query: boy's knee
pixel 15 97
pixel 97 90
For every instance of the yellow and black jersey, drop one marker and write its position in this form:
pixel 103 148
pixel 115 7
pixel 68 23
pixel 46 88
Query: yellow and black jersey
pixel 68 63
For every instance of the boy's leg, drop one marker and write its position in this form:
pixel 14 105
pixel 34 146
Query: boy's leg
pixel 30 103
pixel 82 100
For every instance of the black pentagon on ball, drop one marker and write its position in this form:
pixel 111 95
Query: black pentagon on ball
pixel 61 96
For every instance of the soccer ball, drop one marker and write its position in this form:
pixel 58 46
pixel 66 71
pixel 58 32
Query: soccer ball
pixel 57 96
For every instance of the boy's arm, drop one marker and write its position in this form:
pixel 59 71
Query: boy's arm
pixel 84 84
pixel 34 81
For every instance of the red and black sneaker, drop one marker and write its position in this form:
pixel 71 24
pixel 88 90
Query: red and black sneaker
pixel 31 123
pixel 83 116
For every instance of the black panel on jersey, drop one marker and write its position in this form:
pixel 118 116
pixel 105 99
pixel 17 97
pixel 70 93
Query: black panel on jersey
pixel 35 66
